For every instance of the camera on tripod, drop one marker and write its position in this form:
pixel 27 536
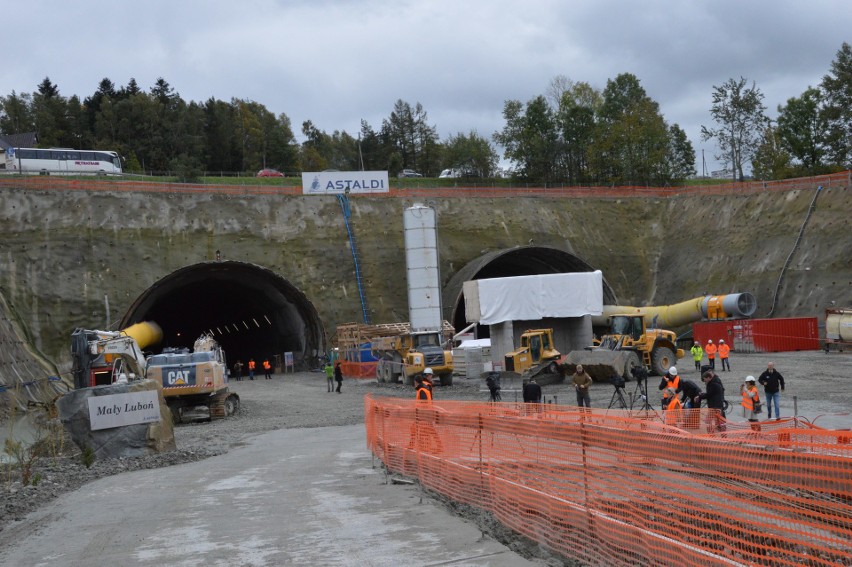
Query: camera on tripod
pixel 617 381
pixel 639 373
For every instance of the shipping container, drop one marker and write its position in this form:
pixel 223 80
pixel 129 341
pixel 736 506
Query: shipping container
pixel 761 335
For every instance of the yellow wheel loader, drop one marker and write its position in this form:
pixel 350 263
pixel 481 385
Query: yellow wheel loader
pixel 628 345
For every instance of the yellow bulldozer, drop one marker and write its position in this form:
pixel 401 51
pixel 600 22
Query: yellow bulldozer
pixel 628 345
pixel 535 356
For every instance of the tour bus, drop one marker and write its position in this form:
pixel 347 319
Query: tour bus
pixel 62 161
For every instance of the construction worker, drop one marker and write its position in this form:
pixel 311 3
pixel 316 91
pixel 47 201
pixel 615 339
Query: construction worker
pixel 750 401
pixel 267 369
pixel 711 349
pixel 669 385
pixel 697 354
pixel 329 375
pixel 673 408
pixel 428 375
pixel 724 351
pixel 251 367
pixel 423 393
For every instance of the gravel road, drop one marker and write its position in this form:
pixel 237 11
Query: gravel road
pixel 819 382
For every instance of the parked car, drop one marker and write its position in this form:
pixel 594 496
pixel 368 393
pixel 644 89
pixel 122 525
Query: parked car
pixel 269 173
pixel 450 173
pixel 408 173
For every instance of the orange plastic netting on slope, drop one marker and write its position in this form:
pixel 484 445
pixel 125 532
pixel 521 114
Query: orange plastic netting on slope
pixel 614 488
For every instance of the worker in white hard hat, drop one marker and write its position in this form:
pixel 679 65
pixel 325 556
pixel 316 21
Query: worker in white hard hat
pixel 428 374
pixel 750 400
pixel 724 352
pixel 710 350
pixel 669 385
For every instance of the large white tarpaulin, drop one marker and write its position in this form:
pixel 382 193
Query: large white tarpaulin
pixel 495 300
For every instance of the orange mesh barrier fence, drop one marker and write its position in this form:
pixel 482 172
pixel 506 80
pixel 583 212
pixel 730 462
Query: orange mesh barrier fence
pixel 58 182
pixel 358 369
pixel 615 488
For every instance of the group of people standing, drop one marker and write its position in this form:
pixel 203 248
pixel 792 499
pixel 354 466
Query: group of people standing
pixel 252 365
pixel 723 350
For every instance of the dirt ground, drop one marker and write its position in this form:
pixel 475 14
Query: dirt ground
pixel 818 389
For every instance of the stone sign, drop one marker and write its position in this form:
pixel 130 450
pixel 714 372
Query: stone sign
pixel 116 410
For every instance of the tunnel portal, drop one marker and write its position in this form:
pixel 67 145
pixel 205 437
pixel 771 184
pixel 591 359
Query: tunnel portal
pixel 520 261
pixel 251 311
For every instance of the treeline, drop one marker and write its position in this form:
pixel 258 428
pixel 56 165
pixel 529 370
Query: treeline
pixel 573 134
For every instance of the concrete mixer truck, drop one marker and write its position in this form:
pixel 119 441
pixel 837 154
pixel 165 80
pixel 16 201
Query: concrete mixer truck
pixel 637 336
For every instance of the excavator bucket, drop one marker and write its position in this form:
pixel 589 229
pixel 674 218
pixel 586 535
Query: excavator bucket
pixel 602 364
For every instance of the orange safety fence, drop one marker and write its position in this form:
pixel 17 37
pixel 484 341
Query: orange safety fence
pixel 612 487
pixel 358 369
pixel 58 182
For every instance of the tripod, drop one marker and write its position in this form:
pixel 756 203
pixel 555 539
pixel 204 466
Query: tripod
pixel 641 393
pixel 618 398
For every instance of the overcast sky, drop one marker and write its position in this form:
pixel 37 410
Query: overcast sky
pixel 335 62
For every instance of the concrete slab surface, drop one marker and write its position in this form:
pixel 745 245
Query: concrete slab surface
pixel 288 497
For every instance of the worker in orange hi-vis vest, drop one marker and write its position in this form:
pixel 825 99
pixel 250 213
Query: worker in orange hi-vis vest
pixel 267 369
pixel 724 351
pixel 673 410
pixel 251 366
pixel 710 350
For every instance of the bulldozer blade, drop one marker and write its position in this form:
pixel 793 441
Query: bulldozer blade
pixel 600 364
pixel 545 373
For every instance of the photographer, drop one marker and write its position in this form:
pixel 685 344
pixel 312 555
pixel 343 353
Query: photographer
pixel 493 383
pixel 715 396
pixel 690 391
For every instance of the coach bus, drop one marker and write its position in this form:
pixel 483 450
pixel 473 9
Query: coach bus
pixel 62 161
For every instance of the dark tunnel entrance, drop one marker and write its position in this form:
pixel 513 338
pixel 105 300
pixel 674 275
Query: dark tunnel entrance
pixel 251 311
pixel 520 261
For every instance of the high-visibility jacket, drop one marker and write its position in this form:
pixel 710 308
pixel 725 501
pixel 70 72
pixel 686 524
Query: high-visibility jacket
pixel 251 365
pixel 697 352
pixel 424 393
pixel 724 350
pixel 710 349
pixel 674 382
pixel 266 365
pixel 750 396
pixel 675 403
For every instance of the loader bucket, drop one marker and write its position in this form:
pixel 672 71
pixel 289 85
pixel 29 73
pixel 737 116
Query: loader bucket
pixel 600 364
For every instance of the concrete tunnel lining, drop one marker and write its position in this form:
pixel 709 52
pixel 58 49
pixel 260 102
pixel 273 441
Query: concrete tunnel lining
pixel 252 312
pixel 519 261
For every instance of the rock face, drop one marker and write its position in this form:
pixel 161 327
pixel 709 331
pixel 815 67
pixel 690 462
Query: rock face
pixel 127 441
pixel 64 250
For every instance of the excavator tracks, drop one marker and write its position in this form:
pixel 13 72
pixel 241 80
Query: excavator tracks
pixel 224 404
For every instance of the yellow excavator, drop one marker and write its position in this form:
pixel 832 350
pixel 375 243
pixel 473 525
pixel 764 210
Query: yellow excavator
pixel 628 345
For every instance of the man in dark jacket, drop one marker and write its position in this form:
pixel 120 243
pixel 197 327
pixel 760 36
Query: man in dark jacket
pixel 532 392
pixel 715 396
pixel 690 390
pixel 772 380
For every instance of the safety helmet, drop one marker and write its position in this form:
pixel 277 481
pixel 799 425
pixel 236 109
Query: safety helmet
pixel 709 341
pixel 721 341
pixel 428 371
pixel 673 371
pixel 749 379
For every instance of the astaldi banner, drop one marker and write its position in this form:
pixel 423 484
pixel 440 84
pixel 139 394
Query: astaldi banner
pixel 335 182
pixel 123 409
